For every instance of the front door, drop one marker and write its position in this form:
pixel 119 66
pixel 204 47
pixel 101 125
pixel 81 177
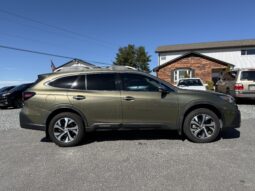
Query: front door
pixel 142 103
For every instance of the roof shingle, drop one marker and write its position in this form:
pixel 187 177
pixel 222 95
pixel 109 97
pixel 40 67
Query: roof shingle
pixel 207 46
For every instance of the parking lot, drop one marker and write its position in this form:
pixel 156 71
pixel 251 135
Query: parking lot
pixel 146 160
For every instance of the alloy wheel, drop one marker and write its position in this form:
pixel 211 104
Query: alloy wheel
pixel 65 130
pixel 202 126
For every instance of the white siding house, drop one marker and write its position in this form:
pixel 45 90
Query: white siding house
pixel 232 55
pixel 207 61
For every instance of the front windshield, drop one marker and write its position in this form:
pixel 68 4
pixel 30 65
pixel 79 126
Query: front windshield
pixel 20 87
pixel 5 89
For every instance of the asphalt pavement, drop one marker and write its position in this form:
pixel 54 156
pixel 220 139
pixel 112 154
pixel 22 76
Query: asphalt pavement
pixel 127 160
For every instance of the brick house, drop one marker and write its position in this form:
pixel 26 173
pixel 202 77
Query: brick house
pixel 207 61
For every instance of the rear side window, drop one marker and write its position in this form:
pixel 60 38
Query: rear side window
pixel 79 84
pixel 103 82
pixel 65 82
pixel 248 75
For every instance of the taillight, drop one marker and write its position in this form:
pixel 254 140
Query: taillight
pixel 27 95
pixel 238 87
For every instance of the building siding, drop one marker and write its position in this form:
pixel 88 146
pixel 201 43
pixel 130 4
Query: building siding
pixel 232 56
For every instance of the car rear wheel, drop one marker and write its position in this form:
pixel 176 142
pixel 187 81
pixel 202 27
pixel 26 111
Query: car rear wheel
pixel 66 129
pixel 202 126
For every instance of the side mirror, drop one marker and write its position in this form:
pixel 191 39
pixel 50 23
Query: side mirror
pixel 163 90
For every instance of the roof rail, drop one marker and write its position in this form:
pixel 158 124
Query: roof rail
pixel 120 67
pixel 86 68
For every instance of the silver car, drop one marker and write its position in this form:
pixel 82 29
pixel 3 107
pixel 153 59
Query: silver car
pixel 239 83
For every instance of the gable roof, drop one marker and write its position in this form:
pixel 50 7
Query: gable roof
pixel 76 61
pixel 207 46
pixel 188 55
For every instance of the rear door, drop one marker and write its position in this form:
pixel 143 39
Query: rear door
pixel 98 98
pixel 142 103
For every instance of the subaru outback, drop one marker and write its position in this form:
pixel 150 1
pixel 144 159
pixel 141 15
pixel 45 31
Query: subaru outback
pixel 67 105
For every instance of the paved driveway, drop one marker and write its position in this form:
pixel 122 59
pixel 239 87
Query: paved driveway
pixel 147 160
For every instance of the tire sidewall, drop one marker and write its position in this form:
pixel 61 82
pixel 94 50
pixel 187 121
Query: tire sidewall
pixel 81 129
pixel 187 131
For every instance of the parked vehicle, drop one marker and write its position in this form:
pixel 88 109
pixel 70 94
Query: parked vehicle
pixel 66 105
pixel 239 83
pixel 6 89
pixel 13 97
pixel 191 84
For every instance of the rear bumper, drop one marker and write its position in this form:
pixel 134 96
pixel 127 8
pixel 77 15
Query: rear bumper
pixel 240 94
pixel 26 123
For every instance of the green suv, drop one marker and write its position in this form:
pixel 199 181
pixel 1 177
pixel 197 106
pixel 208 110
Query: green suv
pixel 67 105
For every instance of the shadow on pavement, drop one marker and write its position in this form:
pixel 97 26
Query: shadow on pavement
pixel 245 101
pixel 131 135
pixel 101 136
pixel 230 134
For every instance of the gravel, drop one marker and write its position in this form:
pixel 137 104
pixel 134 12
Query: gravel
pixel 9 119
pixel 136 160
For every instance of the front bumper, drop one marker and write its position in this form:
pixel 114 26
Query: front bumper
pixel 235 121
pixel 4 102
pixel 26 123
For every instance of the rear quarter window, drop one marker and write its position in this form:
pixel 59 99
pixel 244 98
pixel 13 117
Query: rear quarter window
pixel 64 82
pixel 248 75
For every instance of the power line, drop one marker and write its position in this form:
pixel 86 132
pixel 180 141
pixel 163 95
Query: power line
pixel 56 27
pixel 35 52
pixel 47 54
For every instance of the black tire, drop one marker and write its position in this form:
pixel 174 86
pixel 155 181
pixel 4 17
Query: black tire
pixel 77 137
pixel 204 130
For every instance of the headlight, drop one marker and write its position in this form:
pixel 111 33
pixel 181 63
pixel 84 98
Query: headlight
pixel 6 94
pixel 228 98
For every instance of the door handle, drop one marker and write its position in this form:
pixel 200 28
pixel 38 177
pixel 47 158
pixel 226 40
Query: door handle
pixel 129 98
pixel 79 97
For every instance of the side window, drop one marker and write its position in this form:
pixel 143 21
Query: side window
pixel 65 82
pixel 79 84
pixel 103 82
pixel 136 82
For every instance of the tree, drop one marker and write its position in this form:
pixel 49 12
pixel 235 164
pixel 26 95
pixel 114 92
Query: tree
pixel 133 56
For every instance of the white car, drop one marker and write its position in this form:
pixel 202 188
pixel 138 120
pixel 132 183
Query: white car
pixel 191 84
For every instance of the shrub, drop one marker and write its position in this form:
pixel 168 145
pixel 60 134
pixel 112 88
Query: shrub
pixel 210 85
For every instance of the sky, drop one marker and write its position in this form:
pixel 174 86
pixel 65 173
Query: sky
pixel 94 30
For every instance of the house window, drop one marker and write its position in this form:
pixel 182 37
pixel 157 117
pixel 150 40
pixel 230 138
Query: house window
pixel 182 73
pixel 248 52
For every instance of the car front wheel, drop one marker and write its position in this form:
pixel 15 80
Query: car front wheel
pixel 202 126
pixel 66 129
